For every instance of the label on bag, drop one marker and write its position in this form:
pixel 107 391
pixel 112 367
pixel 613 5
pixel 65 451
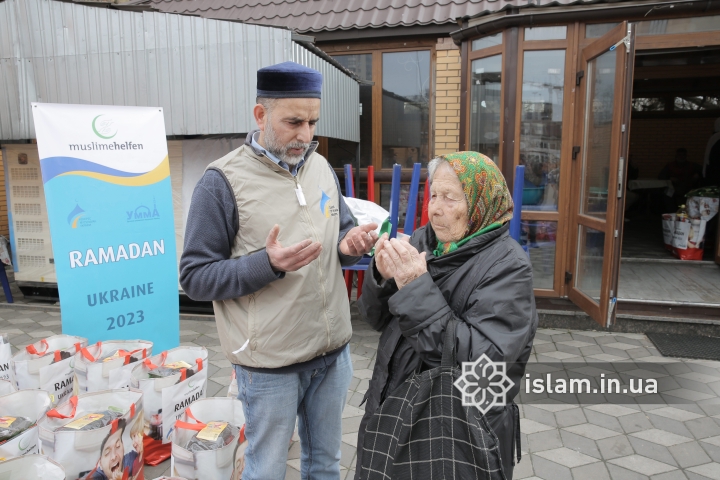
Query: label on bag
pixel 178 365
pixel 176 398
pixel 82 421
pixel 57 379
pixel 6 372
pixel 212 431
pixel 5 422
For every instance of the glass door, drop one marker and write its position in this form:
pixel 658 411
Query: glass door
pixel 605 82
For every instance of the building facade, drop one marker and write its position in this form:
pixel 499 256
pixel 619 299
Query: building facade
pixel 594 98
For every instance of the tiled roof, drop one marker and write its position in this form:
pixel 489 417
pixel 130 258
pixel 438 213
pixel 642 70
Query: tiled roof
pixel 327 15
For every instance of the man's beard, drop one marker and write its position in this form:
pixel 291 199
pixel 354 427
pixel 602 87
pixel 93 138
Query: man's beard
pixel 273 146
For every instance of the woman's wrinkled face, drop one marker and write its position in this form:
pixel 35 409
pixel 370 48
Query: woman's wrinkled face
pixel 447 209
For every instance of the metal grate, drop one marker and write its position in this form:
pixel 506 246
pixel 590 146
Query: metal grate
pixel 25 191
pixel 30 244
pixel 687 346
pixel 30 173
pixel 24 226
pixel 27 209
pixel 30 261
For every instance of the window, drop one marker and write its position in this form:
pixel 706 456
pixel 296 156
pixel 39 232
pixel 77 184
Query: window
pixel 597 30
pixel 405 108
pixel 546 33
pixel 648 104
pixel 541 127
pixel 697 103
pixel 341 152
pixel 485 106
pixel 540 238
pixel 487 42
pixel 679 25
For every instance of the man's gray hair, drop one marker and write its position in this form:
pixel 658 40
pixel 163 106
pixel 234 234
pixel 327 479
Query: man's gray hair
pixel 433 166
pixel 266 102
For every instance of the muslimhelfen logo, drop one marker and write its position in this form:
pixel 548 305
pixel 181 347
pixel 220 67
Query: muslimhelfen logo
pixel 484 384
pixel 104 127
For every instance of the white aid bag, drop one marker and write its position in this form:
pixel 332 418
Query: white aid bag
pixel 209 440
pixel 366 212
pixel 167 397
pixel 233 387
pixel 96 435
pixel 6 367
pixel 49 365
pixel 31 467
pixel 7 387
pixel 99 366
pixel 24 407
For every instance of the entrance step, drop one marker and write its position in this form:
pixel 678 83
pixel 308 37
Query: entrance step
pixel 634 318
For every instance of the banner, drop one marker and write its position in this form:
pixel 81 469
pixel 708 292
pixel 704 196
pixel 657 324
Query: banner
pixel 106 176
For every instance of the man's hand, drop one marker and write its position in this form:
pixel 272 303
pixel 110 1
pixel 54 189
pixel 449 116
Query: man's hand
pixel 359 240
pixel 292 258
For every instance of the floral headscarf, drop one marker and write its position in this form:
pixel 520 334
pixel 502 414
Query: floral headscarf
pixel 489 201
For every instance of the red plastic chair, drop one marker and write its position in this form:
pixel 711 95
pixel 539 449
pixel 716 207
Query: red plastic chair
pixel 350 187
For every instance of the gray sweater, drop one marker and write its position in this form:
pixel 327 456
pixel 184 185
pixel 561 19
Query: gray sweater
pixel 207 273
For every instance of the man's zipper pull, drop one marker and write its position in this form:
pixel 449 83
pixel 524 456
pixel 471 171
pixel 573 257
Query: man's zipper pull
pixel 300 196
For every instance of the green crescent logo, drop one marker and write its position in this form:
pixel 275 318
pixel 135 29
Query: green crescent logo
pixel 191 384
pixel 104 128
pixel 20 443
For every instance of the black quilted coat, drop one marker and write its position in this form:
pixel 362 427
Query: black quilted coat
pixel 491 276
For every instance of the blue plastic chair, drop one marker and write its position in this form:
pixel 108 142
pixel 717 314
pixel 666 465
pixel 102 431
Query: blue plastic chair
pixel 410 219
pixel 517 194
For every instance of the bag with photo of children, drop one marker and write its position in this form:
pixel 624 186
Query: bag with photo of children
pixel 170 382
pixel 49 365
pixel 209 440
pixel 18 424
pixel 108 365
pixel 97 436
pixel 31 467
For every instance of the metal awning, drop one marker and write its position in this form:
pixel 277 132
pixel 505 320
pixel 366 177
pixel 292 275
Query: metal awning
pixel 200 71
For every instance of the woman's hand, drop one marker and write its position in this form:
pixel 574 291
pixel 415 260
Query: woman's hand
pixel 403 260
pixel 384 266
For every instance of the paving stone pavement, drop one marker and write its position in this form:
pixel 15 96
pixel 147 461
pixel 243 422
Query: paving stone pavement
pixel 676 438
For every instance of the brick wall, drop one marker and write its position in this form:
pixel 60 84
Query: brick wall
pixel 653 141
pixel 4 230
pixel 447 97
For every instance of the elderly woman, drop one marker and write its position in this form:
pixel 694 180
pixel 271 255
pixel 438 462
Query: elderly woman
pixel 462 265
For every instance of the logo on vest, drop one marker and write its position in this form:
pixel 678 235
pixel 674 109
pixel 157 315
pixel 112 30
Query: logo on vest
pixel 325 207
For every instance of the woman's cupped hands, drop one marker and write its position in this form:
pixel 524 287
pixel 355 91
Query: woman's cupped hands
pixel 399 260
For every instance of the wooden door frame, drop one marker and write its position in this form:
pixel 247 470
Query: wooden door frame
pixel 562 214
pixel 603 311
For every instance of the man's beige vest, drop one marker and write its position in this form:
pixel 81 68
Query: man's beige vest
pixel 305 314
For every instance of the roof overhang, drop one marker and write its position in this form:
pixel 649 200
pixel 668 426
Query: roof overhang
pixel 485 23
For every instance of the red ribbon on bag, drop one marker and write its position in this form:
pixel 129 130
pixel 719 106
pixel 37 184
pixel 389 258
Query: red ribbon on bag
pixel 121 353
pixel 33 351
pixel 55 414
pixel 152 366
pixel 190 426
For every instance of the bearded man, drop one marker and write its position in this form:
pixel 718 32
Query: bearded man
pixel 267 234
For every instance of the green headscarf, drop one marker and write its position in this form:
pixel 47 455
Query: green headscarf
pixel 490 204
